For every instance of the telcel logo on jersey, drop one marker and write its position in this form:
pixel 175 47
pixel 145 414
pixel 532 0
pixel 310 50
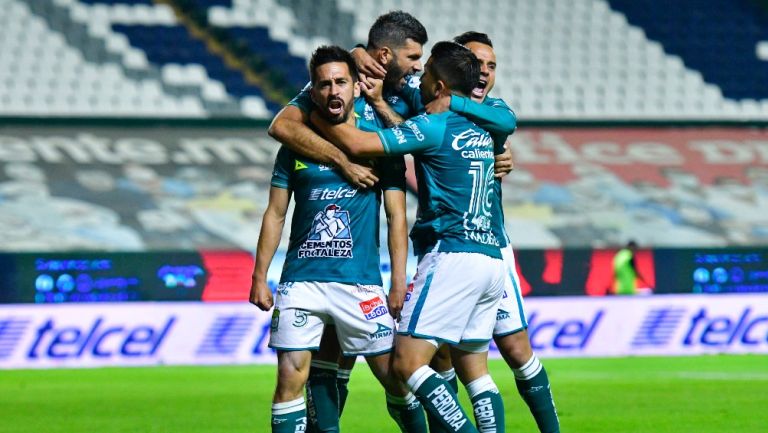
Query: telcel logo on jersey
pixel 99 340
pixel 332 194
pixel 747 329
pixel 373 308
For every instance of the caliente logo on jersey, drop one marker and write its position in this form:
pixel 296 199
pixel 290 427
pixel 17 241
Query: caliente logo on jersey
pixel 330 235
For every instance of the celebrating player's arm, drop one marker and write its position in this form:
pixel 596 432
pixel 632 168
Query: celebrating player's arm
pixel 269 238
pixel 491 114
pixel 397 235
pixel 367 66
pixel 290 128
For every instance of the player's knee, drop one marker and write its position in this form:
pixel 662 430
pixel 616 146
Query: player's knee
pixel 402 368
pixel 442 360
pixel 515 348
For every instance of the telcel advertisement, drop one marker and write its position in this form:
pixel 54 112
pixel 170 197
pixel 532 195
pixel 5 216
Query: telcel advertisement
pixel 174 333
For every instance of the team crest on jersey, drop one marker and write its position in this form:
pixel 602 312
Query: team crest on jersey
pixel 373 308
pixel 381 332
pixel 329 236
pixel 275 320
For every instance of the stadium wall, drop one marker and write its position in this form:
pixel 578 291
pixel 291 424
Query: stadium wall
pixel 113 232
pixel 81 335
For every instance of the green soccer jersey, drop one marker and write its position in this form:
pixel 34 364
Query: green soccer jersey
pixel 493 115
pixel 454 167
pixel 335 228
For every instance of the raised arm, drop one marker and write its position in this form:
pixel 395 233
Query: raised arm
pixel 269 239
pixel 290 128
pixel 494 116
pixel 415 135
pixel 372 89
pixel 348 138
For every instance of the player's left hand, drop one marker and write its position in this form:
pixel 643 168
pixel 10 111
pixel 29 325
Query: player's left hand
pixel 439 105
pixel 367 65
pixel 260 295
pixel 373 90
pixel 504 162
pixel 396 300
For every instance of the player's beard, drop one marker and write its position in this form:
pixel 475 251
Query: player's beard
pixel 333 105
pixel 394 76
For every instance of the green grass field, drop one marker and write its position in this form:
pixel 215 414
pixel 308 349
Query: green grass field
pixel 717 394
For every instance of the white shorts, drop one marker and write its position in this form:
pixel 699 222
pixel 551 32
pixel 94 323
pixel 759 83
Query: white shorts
pixel 359 312
pixel 510 318
pixel 453 298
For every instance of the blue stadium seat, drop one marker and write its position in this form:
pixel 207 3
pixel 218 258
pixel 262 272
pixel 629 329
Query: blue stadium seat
pixel 173 44
pixel 114 2
pixel 274 53
pixel 716 37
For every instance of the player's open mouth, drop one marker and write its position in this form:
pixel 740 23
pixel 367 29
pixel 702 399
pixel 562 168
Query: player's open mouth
pixel 335 107
pixel 479 90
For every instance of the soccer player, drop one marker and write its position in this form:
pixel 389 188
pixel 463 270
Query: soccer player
pixel 510 332
pixel 459 279
pixel 395 40
pixel 331 273
pixel 495 116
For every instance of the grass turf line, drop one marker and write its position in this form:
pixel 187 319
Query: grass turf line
pixel 703 394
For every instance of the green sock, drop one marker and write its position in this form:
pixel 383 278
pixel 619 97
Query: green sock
pixel 533 385
pixel 486 405
pixel 437 397
pixel 322 398
pixel 407 413
pixel 342 382
pixel 450 377
pixel 289 417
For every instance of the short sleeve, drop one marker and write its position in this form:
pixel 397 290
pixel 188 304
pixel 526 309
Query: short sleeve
pixel 411 93
pixel 281 173
pixel 303 101
pixel 391 171
pixel 416 135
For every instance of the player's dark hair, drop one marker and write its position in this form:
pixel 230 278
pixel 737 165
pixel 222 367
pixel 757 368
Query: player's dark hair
pixel 471 36
pixel 394 28
pixel 330 54
pixel 456 66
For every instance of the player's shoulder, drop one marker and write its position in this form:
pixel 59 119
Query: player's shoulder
pixel 495 102
pixel 431 120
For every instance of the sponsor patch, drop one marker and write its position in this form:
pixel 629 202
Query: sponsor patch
pixel 381 332
pixel 275 320
pixel 373 308
pixel 330 235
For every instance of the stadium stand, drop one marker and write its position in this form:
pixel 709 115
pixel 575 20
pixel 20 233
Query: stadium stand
pixel 599 60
